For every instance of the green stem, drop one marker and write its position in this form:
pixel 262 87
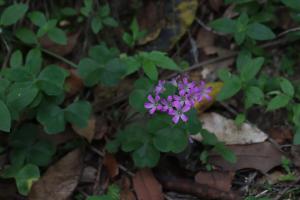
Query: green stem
pixel 60 58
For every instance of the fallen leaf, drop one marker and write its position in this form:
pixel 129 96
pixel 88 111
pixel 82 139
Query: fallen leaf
pixel 126 193
pixel 111 164
pixel 261 156
pixel 215 179
pixel 60 179
pixel 281 135
pixel 272 178
pixel 74 84
pixel 228 132
pixel 146 186
pixel 88 132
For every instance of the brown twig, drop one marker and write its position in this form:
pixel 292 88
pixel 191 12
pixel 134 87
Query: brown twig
pixel 282 192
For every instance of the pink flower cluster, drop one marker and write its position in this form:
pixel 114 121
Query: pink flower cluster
pixel 176 105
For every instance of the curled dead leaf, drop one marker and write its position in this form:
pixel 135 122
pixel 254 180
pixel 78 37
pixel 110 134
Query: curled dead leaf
pixel 227 131
pixel 146 186
pixel 111 164
pixel 60 180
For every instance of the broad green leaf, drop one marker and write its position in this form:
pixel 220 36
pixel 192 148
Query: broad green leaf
pixel 137 99
pixel 287 87
pixel 52 118
pixel 96 24
pixel 51 80
pixel 241 28
pixel 146 156
pixel 16 59
pixel 208 137
pixel 253 95
pixel 18 74
pixel 33 61
pixel 19 98
pixel 41 153
pixel 13 13
pixel 170 140
pixel 150 69
pixel 37 18
pixel 51 24
pixel 224 74
pixel 128 39
pixel 132 64
pixel 25 178
pixel 88 5
pixel 90 71
pixel 104 10
pixel 243 59
pixel 293 4
pixel 143 84
pixel 26 35
pixel 296 115
pixel 279 101
pixel 78 113
pixel 250 69
pixel 113 72
pixel 57 35
pixel 223 25
pixel 109 21
pixel 5 117
pixel 102 54
pixel 162 60
pixel 240 119
pixel 230 88
pixel 259 31
pixel 131 137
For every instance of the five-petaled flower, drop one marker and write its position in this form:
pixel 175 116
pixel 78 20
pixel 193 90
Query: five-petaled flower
pixel 153 104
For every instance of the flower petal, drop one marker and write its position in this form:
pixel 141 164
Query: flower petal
pixel 184 117
pixel 175 119
pixel 152 110
pixel 177 105
pixel 150 98
pixel 148 105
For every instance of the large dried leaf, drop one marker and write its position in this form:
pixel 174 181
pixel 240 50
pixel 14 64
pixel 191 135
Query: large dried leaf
pixel 227 131
pixel 215 179
pixel 111 164
pixel 262 157
pixel 146 186
pixel 60 180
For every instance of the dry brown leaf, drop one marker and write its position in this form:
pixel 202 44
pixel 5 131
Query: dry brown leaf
pixel 205 39
pixel 281 135
pixel 126 192
pixel 60 180
pixel 74 84
pixel 146 186
pixel 262 157
pixel 215 179
pixel 111 164
pixel 227 131
pixel 89 175
pixel 89 131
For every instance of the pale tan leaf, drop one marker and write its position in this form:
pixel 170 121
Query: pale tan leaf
pixel 216 179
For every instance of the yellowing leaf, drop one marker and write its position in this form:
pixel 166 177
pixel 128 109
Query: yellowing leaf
pixel 205 104
pixel 187 11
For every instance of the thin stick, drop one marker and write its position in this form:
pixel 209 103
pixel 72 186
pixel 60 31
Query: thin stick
pixel 60 58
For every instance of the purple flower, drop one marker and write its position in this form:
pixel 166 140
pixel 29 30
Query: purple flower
pixel 183 99
pixel 185 86
pixel 167 104
pixel 160 88
pixel 179 112
pixel 204 91
pixel 153 104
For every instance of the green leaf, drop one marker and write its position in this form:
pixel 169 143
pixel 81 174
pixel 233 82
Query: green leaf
pixel 224 74
pixel 52 118
pixel 131 137
pixel 253 95
pixel 296 115
pixel 133 64
pixel 162 60
pixel 287 87
pixel 128 39
pixel 230 88
pixel 13 13
pixel 33 61
pixel 223 25
pixel 104 10
pixel 240 119
pixel 259 31
pixel 41 153
pixel 208 137
pixel 150 69
pixel 78 113
pixel 57 35
pixel 109 21
pixel 25 178
pixel 225 152
pixel 113 72
pixel 243 59
pixel 241 28
pixel 102 54
pixel 143 84
pixel 37 18
pixel 5 117
pixel 170 140
pixel 16 59
pixel 90 71
pixel 146 156
pixel 51 24
pixel 279 101
pixel 137 99
pixel 51 80
pixel 26 35
pixel 293 4
pixel 296 139
pixel 88 5
pixel 96 24
pixel 250 69
pixel 19 98
pixel 18 74
pixel 68 11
